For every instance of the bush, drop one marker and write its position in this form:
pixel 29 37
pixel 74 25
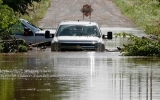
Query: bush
pixel 22 48
pixel 13 46
pixel 140 46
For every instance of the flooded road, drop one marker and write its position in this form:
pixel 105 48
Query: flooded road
pixel 112 44
pixel 45 75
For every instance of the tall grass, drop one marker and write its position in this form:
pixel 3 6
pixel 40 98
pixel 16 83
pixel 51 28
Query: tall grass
pixel 37 12
pixel 144 13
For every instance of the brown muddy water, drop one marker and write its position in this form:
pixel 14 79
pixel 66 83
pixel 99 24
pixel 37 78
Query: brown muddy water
pixel 46 75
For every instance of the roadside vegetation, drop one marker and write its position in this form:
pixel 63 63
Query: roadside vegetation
pixel 10 12
pixel 37 12
pixel 144 46
pixel 144 13
pixel 146 16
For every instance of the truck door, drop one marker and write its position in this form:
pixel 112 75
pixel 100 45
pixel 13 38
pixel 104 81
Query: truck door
pixel 23 32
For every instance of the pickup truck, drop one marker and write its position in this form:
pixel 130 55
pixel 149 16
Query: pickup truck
pixel 30 33
pixel 78 36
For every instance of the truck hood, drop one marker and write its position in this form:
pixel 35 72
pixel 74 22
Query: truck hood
pixel 77 39
pixel 43 31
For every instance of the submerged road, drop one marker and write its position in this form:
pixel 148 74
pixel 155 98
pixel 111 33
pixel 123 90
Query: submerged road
pixel 46 75
pixel 105 13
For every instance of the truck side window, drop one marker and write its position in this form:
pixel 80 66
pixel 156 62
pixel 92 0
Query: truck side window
pixel 27 31
pixel 96 31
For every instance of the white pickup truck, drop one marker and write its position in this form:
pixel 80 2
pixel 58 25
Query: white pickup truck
pixel 78 36
pixel 30 33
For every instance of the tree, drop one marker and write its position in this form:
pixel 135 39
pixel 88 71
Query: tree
pixel 20 6
pixel 7 19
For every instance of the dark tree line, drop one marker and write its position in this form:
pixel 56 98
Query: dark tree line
pixel 20 6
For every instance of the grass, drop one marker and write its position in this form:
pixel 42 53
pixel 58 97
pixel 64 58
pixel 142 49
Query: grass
pixel 38 12
pixel 144 13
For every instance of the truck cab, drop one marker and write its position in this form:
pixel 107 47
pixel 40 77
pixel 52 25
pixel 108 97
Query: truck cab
pixel 79 36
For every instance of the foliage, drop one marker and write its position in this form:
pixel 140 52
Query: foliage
pixel 1 48
pixel 144 13
pixel 38 12
pixel 13 46
pixel 20 6
pixel 9 9
pixel 7 19
pixel 140 46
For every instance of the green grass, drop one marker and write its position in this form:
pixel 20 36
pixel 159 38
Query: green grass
pixel 38 12
pixel 144 13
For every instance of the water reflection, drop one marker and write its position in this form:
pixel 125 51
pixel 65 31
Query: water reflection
pixel 141 79
pixel 78 76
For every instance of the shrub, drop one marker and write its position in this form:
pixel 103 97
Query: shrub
pixel 140 46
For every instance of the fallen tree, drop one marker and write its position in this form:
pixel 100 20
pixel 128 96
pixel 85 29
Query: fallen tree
pixel 145 46
pixel 13 45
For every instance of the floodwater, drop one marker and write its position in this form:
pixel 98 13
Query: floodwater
pixel 46 75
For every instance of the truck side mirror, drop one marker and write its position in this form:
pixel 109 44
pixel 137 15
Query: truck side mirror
pixel 109 34
pixel 47 34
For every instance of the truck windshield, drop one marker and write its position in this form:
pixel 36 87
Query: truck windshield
pixel 77 30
